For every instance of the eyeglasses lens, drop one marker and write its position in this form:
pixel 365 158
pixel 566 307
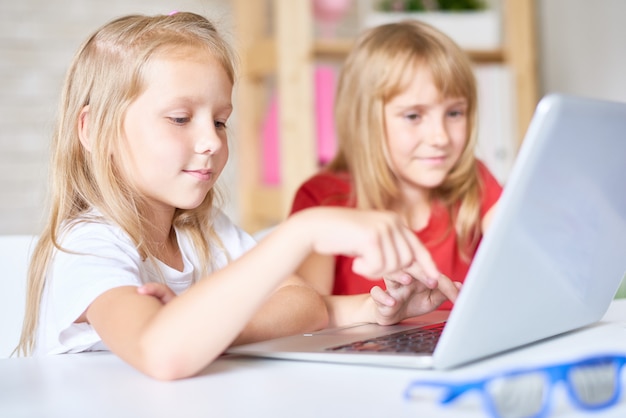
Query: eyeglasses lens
pixel 594 385
pixel 519 396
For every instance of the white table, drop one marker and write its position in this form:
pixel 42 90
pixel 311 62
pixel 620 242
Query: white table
pixel 101 385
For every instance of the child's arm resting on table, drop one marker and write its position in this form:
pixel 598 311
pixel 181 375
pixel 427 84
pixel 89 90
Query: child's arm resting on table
pixel 295 307
pixel 180 338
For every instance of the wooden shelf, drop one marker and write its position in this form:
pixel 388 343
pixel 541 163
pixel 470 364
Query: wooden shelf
pixel 288 56
pixel 335 49
pixel 262 57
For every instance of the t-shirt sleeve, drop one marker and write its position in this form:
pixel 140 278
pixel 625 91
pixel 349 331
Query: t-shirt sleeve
pixel 323 189
pixel 97 259
pixel 305 197
pixel 491 189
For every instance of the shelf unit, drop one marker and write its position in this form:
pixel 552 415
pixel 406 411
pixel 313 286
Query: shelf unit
pixel 276 41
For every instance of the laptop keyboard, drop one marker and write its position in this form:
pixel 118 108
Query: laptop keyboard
pixel 420 340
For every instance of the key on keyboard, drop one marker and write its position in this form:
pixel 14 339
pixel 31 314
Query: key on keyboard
pixel 420 340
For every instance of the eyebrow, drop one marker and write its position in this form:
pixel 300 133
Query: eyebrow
pixel 460 101
pixel 454 101
pixel 217 105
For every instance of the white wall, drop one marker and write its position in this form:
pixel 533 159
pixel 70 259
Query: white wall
pixel 582 51
pixel 37 41
pixel 583 47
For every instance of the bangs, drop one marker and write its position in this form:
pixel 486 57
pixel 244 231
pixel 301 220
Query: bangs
pixel 451 80
pixel 181 47
pixel 400 75
pixel 406 49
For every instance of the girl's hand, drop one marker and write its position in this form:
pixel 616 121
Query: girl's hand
pixel 408 296
pixel 378 241
pixel 158 290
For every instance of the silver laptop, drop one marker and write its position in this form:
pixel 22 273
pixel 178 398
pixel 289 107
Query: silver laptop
pixel 551 261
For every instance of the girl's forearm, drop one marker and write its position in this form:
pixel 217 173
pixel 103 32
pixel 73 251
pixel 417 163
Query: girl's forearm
pixel 196 327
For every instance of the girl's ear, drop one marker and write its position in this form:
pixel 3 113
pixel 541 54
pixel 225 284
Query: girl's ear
pixel 83 128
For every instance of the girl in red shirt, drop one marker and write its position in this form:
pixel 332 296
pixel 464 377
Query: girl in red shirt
pixel 405 115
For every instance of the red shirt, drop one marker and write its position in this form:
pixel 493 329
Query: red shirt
pixel 333 189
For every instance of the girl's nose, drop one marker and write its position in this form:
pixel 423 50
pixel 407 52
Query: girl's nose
pixel 209 141
pixel 438 135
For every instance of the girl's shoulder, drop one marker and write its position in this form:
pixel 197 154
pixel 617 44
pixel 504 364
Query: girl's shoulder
pixel 91 228
pixel 490 187
pixel 326 188
pixel 330 181
pixel 484 173
pixel 486 177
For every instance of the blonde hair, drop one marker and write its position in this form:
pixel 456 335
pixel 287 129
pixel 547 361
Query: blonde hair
pixel 107 73
pixel 379 67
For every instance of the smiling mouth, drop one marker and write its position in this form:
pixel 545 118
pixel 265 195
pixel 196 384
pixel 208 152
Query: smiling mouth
pixel 203 175
pixel 433 160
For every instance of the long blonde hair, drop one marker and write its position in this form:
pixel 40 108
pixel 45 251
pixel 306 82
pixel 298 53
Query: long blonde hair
pixel 379 67
pixel 107 74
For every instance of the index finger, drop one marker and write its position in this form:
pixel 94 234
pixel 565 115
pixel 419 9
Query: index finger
pixel 422 256
pixel 447 287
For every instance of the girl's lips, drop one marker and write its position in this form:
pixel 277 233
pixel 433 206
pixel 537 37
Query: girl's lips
pixel 433 160
pixel 203 175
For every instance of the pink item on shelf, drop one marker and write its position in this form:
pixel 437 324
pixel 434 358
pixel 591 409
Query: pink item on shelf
pixel 331 9
pixel 324 100
pixel 270 145
pixel 324 79
pixel 329 13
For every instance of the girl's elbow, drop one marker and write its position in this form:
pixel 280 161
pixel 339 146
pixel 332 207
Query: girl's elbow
pixel 165 368
pixel 322 317
pixel 170 363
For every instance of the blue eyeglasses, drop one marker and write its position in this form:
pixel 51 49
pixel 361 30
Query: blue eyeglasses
pixel 592 383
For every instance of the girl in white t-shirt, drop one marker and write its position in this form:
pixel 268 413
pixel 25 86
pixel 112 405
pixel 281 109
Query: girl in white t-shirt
pixel 139 144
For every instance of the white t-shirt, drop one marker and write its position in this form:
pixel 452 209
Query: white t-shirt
pixel 107 259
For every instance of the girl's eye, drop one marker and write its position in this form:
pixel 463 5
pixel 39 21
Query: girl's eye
pixel 457 113
pixel 413 116
pixel 179 120
pixel 220 125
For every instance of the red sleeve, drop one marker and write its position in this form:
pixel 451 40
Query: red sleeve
pixel 491 189
pixel 305 197
pixel 323 189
